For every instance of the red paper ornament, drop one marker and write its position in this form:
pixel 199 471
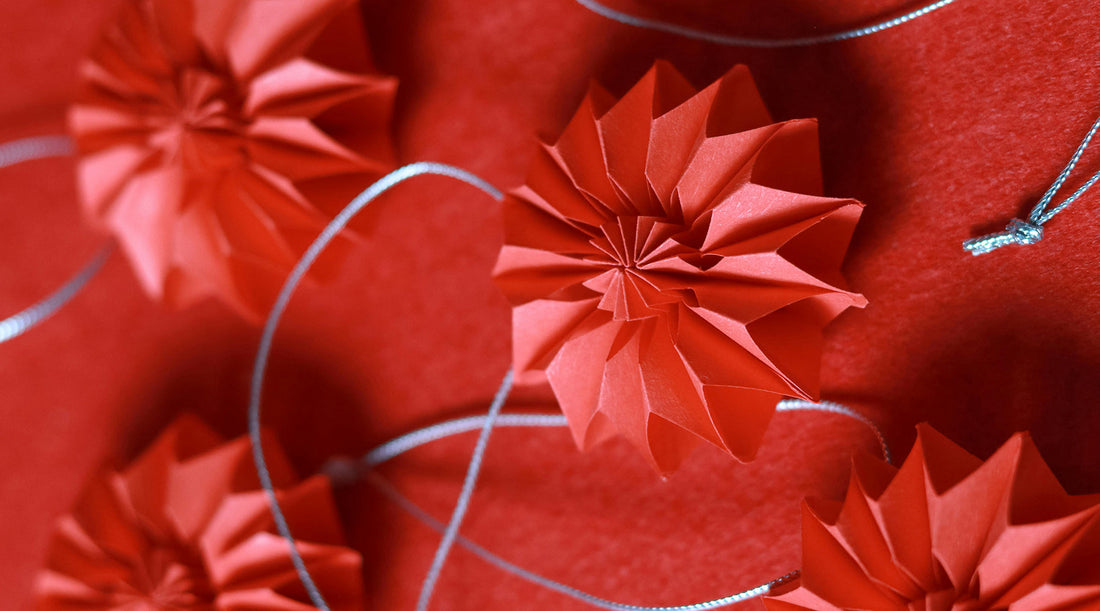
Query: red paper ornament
pixel 671 265
pixel 217 137
pixel 187 527
pixel 947 531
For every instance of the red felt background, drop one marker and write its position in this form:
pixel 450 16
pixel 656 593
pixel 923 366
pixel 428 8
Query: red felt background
pixel 945 127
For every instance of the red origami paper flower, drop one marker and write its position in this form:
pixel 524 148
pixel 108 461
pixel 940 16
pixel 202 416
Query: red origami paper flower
pixel 186 527
pixel 947 531
pixel 217 137
pixel 671 264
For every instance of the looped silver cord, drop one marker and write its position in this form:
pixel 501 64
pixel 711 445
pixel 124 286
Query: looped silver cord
pixel 263 352
pixel 829 407
pixel 426 518
pixel 398 446
pixel 29 149
pixel 18 324
pixel 450 533
pixel 37 147
pixel 342 470
pixel 346 470
pixel 759 43
pixel 1031 231
pixel 409 441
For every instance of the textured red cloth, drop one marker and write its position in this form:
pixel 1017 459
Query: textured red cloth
pixel 945 128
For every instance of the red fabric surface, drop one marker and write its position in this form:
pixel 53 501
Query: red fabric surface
pixel 944 128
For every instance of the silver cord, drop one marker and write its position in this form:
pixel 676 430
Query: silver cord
pixel 759 43
pixel 18 324
pixel 415 511
pixel 401 444
pixel 29 149
pixel 264 350
pixel 472 471
pixel 346 470
pixel 798 405
pixel 38 147
pixel 407 442
pixel 397 446
pixel 1031 231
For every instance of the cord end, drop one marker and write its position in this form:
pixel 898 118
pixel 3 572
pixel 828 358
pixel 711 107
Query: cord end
pixel 1017 232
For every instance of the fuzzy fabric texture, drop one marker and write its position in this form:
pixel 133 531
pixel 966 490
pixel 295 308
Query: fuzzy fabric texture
pixel 945 128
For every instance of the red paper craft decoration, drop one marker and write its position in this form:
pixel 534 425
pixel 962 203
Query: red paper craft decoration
pixel 671 265
pixel 217 137
pixel 947 531
pixel 186 527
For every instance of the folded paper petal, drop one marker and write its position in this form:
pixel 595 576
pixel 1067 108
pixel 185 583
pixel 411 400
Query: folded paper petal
pixel 198 121
pixel 947 531
pixel 671 265
pixel 186 526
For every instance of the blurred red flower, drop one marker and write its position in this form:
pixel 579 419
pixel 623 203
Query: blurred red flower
pixel 187 527
pixel 217 137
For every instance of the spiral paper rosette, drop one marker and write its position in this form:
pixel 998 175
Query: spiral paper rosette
pixel 671 265
pixel 217 137
pixel 187 527
pixel 947 531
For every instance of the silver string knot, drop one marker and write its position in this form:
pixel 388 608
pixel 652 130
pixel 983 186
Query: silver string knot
pixel 1017 232
pixel 1024 232
pixel 1031 231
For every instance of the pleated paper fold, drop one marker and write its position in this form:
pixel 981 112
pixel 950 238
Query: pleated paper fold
pixel 186 526
pixel 947 531
pixel 671 264
pixel 217 137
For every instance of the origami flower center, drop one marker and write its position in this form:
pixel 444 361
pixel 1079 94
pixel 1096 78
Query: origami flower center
pixel 200 122
pixel 629 246
pixel 170 579
pixel 947 599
